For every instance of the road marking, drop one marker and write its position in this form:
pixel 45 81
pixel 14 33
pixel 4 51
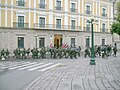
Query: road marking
pixel 47 68
pixel 30 66
pixel 22 65
pixel 18 64
pixel 39 67
pixel 13 65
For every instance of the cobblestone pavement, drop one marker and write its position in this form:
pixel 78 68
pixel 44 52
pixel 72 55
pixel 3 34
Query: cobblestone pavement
pixel 78 74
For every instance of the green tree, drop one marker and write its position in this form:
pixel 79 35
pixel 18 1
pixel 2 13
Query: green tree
pixel 116 25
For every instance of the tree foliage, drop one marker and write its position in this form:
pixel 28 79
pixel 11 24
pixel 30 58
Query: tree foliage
pixel 116 25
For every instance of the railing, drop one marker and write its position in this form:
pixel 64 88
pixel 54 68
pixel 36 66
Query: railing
pixel 54 26
pixel 87 29
pixel 42 6
pixel 73 10
pixel 104 29
pixel 104 15
pixel 20 3
pixel 20 25
pixel 59 8
pixel 88 12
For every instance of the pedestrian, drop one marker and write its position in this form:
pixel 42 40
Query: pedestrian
pixel 79 50
pixel 115 50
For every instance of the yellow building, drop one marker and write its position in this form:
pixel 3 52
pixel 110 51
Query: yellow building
pixel 38 23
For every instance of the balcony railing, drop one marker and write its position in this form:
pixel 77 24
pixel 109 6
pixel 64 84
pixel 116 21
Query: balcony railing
pixel 73 10
pixel 104 29
pixel 88 12
pixel 43 6
pixel 20 25
pixel 104 15
pixel 20 3
pixel 59 8
pixel 87 29
pixel 58 27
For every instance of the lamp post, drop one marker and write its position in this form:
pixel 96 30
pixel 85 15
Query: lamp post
pixel 91 21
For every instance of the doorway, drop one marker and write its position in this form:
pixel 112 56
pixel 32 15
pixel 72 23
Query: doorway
pixel 57 40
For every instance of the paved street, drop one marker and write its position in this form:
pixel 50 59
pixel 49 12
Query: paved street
pixel 60 74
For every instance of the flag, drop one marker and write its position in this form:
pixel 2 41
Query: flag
pixel 51 45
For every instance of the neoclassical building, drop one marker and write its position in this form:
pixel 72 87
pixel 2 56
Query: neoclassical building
pixel 38 23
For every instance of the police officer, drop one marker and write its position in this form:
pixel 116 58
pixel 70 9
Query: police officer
pixel 23 53
pixel 28 52
pixel 87 52
pixel 79 50
pixel 115 50
pixel 7 53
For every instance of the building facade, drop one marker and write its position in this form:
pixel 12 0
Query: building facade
pixel 39 23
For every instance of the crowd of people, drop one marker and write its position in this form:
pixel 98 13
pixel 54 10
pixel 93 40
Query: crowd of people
pixel 61 52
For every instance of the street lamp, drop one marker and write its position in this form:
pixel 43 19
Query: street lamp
pixel 92 21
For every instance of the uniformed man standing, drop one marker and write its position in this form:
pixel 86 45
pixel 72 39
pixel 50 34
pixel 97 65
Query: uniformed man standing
pixel 87 52
pixel 115 50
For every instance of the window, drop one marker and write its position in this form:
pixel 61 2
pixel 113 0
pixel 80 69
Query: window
pixel 20 21
pixel 72 24
pixel 20 3
pixel 42 4
pixel 87 27
pixel 88 9
pixel 58 23
pixel 103 27
pixel 72 42
pixel 42 22
pixel 58 7
pixel 73 6
pixel 103 41
pixel 104 12
pixel 20 42
pixel 41 42
pixel 88 42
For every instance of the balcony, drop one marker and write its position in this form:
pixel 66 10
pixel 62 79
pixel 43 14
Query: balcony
pixel 59 8
pixel 20 3
pixel 73 10
pixel 87 29
pixel 104 29
pixel 88 12
pixel 20 25
pixel 43 6
pixel 56 27
pixel 104 15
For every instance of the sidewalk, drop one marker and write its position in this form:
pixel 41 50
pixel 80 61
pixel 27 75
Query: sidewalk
pixel 78 74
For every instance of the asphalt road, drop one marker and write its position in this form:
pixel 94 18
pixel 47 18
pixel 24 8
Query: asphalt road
pixel 16 80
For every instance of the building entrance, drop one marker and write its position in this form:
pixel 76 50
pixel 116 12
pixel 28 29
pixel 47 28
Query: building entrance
pixel 57 40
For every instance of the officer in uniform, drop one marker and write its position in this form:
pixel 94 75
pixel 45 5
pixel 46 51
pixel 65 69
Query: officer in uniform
pixel 87 52
pixel 115 50
pixel 54 52
pixel 23 53
pixel 99 50
pixel 28 52
pixel 42 52
pixel 7 53
pixel 33 53
pixel 79 50
pixel 59 51
pixel 3 54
